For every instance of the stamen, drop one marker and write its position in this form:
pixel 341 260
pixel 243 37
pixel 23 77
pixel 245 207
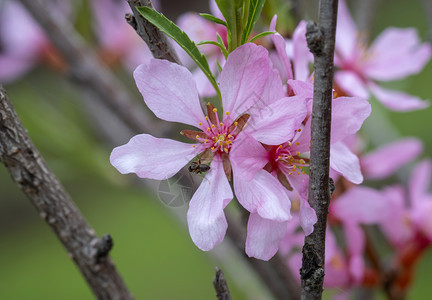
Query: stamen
pixel 208 128
pixel 299 130
pixel 298 153
pixel 235 123
pixel 215 109
pixel 197 136
pixel 200 123
pixel 193 146
pixel 289 144
pixel 213 126
pixel 206 117
pixel 227 113
pixel 226 150
pixel 297 143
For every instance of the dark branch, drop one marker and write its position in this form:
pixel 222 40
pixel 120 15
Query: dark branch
pixel 321 42
pixel 157 42
pixel 87 71
pixel 32 175
pixel 221 286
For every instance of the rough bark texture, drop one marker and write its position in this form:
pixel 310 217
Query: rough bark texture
pixel 35 179
pixel 321 41
pixel 87 71
pixel 221 286
pixel 157 42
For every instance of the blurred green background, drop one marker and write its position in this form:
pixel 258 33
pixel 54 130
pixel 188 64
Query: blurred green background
pixel 152 251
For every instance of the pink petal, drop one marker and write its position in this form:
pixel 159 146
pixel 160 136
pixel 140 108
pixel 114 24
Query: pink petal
pixel 356 243
pixel 301 88
pixel 308 217
pixel 348 115
pixel 346 33
pixel 273 90
pixel 150 157
pixel 278 122
pixel 420 181
pixel 351 84
pixel 247 156
pixel 396 226
pixel 243 78
pixel 205 217
pixel 264 195
pixel 396 100
pixel 301 54
pixel 395 54
pixel 385 160
pixel 263 237
pixel 169 91
pixel 345 162
pixel 360 205
pixel 279 43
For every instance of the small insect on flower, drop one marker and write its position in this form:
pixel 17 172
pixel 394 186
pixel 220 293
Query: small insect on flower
pixel 198 168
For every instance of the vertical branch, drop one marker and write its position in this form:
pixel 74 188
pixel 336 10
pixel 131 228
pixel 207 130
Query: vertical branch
pixel 35 179
pixel 321 42
pixel 157 42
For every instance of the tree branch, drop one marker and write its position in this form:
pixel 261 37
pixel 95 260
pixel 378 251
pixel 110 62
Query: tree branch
pixel 32 175
pixel 221 286
pixel 321 42
pixel 157 42
pixel 88 72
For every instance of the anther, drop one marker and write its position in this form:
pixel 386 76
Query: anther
pixel 212 126
pixel 197 136
pixel 208 128
pixel 227 113
pixel 297 143
pixel 298 153
pixel 215 109
pixel 200 123
pixel 235 123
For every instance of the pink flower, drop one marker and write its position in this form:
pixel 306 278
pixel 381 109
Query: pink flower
pixel 21 39
pixel 117 39
pixel 395 54
pixel 385 160
pixel 410 212
pixel 170 92
pixel 359 205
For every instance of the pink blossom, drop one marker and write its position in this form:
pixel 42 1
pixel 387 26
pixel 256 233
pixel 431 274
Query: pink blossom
pixel 117 39
pixel 170 92
pixel 395 54
pixel 385 160
pixel 410 212
pixel 19 52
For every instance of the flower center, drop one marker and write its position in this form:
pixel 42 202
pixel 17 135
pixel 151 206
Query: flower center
pixel 287 157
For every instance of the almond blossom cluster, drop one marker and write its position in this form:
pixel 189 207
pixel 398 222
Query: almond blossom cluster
pixel 257 147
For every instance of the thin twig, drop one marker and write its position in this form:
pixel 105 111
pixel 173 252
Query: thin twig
pixel 321 42
pixel 86 69
pixel 221 286
pixel 32 175
pixel 157 42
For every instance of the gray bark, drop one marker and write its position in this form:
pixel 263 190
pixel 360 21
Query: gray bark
pixel 321 42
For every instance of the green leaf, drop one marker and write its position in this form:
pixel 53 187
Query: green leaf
pixel 255 9
pixel 174 32
pixel 219 39
pixel 213 19
pixel 221 46
pixel 262 34
pixel 232 12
